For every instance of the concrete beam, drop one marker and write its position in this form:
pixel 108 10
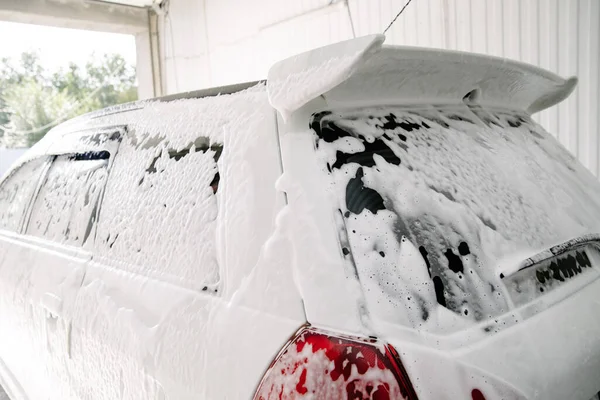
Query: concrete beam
pixel 144 66
pixel 77 14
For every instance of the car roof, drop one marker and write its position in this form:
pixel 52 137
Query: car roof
pixel 194 94
pixel 158 114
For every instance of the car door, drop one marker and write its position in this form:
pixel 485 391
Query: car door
pixel 47 261
pixel 19 361
pixel 183 220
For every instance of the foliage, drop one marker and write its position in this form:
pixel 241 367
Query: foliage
pixel 33 100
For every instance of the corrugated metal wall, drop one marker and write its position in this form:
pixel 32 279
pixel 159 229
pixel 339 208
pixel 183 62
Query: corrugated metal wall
pixel 215 42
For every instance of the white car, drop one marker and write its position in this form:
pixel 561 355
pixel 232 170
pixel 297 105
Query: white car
pixel 372 222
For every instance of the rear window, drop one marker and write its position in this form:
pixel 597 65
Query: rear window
pixel 435 203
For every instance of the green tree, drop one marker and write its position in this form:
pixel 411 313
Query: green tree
pixel 33 100
pixel 12 74
pixel 34 110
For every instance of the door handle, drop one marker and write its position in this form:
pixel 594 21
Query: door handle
pixel 52 304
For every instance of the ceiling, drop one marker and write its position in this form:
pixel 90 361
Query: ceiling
pixel 135 3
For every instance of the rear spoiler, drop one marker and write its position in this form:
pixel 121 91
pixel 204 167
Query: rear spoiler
pixel 295 81
pixel 364 71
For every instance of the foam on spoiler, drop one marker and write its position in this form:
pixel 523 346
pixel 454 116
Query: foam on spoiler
pixel 297 80
pixel 362 72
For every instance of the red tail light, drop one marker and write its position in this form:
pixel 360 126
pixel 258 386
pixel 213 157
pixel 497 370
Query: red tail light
pixel 323 366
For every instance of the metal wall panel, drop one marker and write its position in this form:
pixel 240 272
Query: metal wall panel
pixel 216 42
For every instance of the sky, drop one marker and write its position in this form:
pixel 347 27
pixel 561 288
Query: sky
pixel 60 46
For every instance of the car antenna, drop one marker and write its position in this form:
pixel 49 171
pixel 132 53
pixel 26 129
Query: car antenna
pixel 350 18
pixel 396 17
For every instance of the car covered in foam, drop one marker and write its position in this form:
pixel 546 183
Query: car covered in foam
pixel 371 222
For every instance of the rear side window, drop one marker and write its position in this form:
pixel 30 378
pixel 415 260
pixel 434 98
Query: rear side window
pixel 66 207
pixel 159 212
pixel 16 193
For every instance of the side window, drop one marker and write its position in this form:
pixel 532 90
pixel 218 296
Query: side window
pixel 16 192
pixel 66 208
pixel 159 211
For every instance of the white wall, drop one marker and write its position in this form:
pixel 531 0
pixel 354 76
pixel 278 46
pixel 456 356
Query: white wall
pixel 215 42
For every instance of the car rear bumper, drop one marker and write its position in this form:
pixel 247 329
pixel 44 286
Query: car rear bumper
pixel 553 354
